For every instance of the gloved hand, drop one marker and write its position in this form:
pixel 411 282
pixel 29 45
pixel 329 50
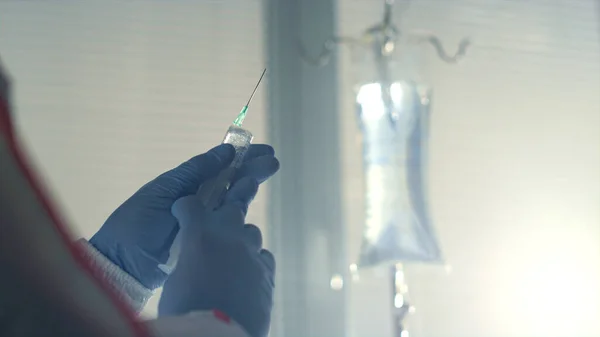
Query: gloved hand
pixel 222 265
pixel 138 235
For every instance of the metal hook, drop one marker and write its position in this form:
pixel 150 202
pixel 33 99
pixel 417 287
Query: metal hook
pixel 329 45
pixel 441 52
pixel 324 56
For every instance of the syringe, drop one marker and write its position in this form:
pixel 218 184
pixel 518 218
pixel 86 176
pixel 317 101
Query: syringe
pixel 212 192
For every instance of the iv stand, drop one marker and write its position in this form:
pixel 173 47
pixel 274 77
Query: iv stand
pixel 382 39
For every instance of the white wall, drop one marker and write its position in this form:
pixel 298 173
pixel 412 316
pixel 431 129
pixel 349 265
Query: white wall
pixel 110 94
pixel 514 172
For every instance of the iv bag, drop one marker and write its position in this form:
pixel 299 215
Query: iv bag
pixel 394 122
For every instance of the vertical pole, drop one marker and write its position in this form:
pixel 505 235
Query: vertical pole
pixel 400 304
pixel 306 230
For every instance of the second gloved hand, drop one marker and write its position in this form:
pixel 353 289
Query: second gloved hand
pixel 137 237
pixel 222 265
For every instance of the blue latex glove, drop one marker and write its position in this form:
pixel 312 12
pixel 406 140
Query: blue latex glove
pixel 222 265
pixel 138 235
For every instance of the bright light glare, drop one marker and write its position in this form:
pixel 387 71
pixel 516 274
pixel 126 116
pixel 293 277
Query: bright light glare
pixel 404 333
pixel 556 291
pixel 399 278
pixel 398 301
pixel 397 93
pixel 336 283
pixel 369 97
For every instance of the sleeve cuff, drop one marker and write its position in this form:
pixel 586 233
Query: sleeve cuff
pixel 127 288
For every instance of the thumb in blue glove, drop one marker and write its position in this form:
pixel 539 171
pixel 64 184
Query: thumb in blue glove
pixel 222 265
pixel 138 235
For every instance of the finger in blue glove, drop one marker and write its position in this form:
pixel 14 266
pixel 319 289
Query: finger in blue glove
pixel 222 265
pixel 242 193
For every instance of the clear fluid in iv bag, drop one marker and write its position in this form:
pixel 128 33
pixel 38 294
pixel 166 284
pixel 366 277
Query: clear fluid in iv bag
pixel 394 127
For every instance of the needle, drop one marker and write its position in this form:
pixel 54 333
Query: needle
pixel 242 115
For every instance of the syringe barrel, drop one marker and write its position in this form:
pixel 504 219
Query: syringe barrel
pixel 241 139
pixel 213 191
